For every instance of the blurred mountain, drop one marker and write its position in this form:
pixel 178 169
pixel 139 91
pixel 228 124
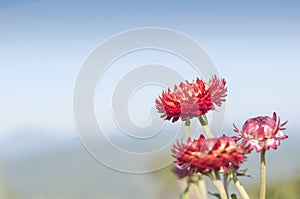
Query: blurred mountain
pixel 21 144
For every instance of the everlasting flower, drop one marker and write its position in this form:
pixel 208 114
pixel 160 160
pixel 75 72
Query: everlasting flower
pixel 190 100
pixel 217 90
pixel 262 132
pixel 205 155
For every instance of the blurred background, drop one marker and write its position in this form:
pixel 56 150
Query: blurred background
pixel 254 45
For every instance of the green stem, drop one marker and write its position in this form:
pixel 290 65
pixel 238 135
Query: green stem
pixel 185 194
pixel 263 174
pixel 238 185
pixel 187 127
pixel 219 185
pixel 201 192
pixel 203 189
pixel 225 182
pixel 204 122
pixel 198 190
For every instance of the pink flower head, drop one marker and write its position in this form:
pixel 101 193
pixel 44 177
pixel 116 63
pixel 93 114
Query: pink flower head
pixel 217 90
pixel 190 100
pixel 205 155
pixel 262 132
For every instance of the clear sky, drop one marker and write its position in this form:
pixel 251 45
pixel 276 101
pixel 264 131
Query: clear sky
pixel 254 44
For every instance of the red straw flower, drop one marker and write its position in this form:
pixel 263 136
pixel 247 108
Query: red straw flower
pixel 205 155
pixel 190 100
pixel 262 132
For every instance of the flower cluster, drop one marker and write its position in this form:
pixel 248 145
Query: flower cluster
pixel 191 99
pixel 212 156
pixel 204 155
pixel 262 132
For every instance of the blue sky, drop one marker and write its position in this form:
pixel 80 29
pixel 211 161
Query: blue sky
pixel 255 46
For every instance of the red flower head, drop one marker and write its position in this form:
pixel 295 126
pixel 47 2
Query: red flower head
pixel 262 132
pixel 205 155
pixel 190 100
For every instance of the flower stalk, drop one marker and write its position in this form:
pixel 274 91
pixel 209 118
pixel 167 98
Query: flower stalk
pixel 219 185
pixel 200 186
pixel 204 123
pixel 203 189
pixel 198 189
pixel 187 127
pixel 238 185
pixel 185 194
pixel 263 174
pixel 225 182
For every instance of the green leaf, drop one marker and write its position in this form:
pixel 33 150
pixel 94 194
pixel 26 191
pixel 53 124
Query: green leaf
pixel 233 196
pixel 243 173
pixel 215 194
